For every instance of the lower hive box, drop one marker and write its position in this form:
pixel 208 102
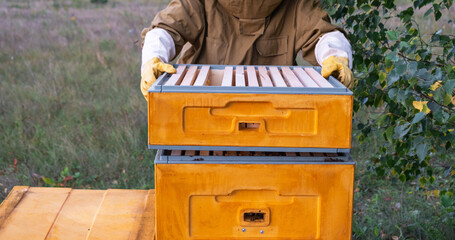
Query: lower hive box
pixel 232 107
pixel 253 195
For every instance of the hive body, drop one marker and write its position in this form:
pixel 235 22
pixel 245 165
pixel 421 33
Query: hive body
pixel 268 107
pixel 253 197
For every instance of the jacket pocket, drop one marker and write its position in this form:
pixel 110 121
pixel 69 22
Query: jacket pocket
pixel 272 51
pixel 214 51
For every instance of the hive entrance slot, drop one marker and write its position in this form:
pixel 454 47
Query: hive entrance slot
pixel 254 216
pixel 248 126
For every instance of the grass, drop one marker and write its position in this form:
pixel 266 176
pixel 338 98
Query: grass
pixel 71 114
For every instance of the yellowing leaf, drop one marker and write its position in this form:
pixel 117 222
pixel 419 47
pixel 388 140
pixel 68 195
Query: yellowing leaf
pixel 389 68
pixel 421 106
pixel 452 173
pixel 394 173
pixel 453 100
pixel 435 85
pixel 436 193
pixel 451 130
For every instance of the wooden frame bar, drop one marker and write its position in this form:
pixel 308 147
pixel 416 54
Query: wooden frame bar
pixel 227 77
pixel 322 82
pixel 189 76
pixel 277 79
pixel 264 77
pixel 306 80
pixel 252 78
pixel 176 78
pixel 290 77
pixel 202 76
pixel 239 76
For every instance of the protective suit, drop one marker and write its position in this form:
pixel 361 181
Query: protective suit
pixel 243 32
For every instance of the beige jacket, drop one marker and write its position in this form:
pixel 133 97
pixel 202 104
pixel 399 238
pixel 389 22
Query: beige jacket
pixel 206 32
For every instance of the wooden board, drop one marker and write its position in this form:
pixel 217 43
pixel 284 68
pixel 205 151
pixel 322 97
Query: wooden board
pixel 277 79
pixel 189 76
pixel 322 82
pixel 264 77
pixel 227 77
pixel 290 77
pixel 64 213
pixel 202 77
pixel 239 76
pixel 176 78
pixel 306 80
pixel 252 78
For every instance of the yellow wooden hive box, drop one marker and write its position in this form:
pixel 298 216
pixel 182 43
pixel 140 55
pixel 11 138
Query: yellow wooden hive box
pixel 232 107
pixel 245 195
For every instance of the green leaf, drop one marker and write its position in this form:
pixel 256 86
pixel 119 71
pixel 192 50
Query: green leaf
pixel 449 85
pixel 402 129
pixel 402 177
pixel 382 119
pixel 389 134
pixel 366 7
pixel 418 117
pixel 446 201
pixel 428 12
pixel 392 56
pixel 392 35
pixel 422 150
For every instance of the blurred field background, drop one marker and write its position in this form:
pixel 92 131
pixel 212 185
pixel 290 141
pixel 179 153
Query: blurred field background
pixel 72 115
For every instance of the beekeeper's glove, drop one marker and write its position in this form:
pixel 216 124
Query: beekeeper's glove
pixel 152 70
pixel 339 68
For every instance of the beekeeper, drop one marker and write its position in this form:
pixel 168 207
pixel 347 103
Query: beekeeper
pixel 244 32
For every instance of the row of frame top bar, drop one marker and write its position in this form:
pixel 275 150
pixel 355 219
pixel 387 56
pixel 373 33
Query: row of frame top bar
pixel 251 77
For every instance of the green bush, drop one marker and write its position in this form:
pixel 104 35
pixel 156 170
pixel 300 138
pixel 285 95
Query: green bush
pixel 405 70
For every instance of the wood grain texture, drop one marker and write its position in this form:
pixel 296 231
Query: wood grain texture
pixel 227 77
pixel 252 78
pixel 264 77
pixel 176 153
pixel 202 76
pixel 218 153
pixel 321 81
pixel 190 76
pixel 13 198
pixel 35 214
pixel 306 80
pixel 204 153
pixel 290 77
pixel 119 215
pixel 239 76
pixel 76 216
pixel 64 213
pixel 176 78
pixel 277 79
pixel 190 152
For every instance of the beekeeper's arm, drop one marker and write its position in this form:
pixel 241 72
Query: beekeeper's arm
pixel 333 52
pixel 180 22
pixel 323 43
